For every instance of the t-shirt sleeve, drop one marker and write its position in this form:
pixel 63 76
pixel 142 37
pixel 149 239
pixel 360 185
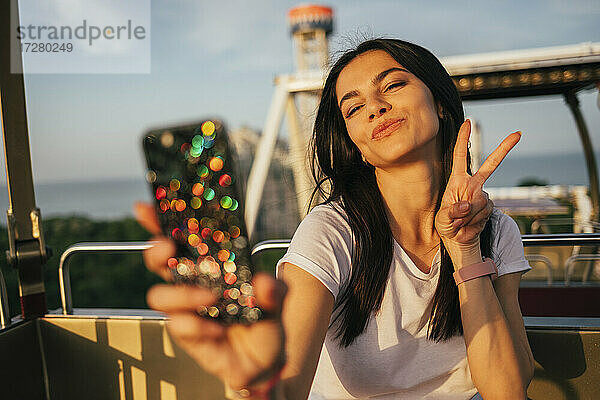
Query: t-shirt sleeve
pixel 322 247
pixel 508 253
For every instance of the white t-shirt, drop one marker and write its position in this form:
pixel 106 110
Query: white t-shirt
pixel 392 358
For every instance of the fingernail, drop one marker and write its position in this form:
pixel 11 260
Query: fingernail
pixel 463 206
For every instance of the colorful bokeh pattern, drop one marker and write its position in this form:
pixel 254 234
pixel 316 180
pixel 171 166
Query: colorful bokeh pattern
pixel 198 205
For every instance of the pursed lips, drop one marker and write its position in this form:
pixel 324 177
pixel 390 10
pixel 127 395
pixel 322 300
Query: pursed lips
pixel 386 128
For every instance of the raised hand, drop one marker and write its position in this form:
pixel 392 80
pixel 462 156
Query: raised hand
pixel 465 207
pixel 241 355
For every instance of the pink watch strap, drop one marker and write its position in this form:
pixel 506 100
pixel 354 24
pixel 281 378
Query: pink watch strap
pixel 487 267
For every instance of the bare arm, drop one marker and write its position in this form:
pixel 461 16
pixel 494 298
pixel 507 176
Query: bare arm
pixel 306 312
pixel 305 316
pixel 497 350
pixel 507 291
pixel 246 356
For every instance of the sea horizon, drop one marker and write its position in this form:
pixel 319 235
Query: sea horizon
pixel 110 199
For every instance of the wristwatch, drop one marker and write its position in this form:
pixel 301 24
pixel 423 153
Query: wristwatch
pixel 487 267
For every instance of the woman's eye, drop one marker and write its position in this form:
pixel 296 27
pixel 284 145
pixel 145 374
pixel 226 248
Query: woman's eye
pixel 352 111
pixel 395 85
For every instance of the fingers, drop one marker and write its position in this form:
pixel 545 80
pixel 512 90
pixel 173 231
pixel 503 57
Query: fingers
pixel 494 160
pixel 145 214
pixel 179 298
pixel 190 327
pixel 269 293
pixel 478 201
pixel 459 161
pixel 465 213
pixel 459 210
pixel 445 225
pixel 483 216
pixel 181 302
pixel 156 257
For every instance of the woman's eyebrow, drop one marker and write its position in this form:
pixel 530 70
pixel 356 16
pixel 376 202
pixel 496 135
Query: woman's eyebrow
pixel 347 96
pixel 380 76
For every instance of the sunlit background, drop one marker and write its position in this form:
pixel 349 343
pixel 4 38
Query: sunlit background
pixel 219 59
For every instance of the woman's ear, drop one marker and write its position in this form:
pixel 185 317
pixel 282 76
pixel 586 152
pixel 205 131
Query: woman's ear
pixel 440 110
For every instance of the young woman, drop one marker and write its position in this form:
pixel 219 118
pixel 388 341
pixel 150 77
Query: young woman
pixel 383 292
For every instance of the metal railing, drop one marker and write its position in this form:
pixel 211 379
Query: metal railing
pixel 115 247
pixel 570 264
pixel 64 280
pixel 278 244
pixel 562 239
pixel 545 261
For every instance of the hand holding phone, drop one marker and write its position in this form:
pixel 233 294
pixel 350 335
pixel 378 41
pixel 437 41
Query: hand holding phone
pixel 191 170
pixel 214 346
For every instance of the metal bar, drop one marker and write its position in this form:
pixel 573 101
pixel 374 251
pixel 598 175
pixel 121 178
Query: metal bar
pixel 570 264
pixel 588 151
pixel 64 279
pixel 575 323
pixel 306 82
pixel 4 307
pixel 298 149
pixel 262 157
pixel 566 239
pixel 545 261
pixel 27 250
pixel 270 244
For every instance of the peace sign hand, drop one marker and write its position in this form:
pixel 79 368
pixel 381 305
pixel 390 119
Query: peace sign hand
pixel 465 207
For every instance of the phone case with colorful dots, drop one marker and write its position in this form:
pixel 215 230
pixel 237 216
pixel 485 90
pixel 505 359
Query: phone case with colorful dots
pixel 193 178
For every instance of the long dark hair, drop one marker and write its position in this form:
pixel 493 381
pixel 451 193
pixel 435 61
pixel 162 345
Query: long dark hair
pixel 341 175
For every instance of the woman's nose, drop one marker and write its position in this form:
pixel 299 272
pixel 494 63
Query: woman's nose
pixel 378 107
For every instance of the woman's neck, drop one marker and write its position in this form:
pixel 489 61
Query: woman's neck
pixel 410 192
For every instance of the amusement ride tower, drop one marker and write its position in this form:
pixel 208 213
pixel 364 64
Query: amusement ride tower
pixel 295 98
pixel 310 25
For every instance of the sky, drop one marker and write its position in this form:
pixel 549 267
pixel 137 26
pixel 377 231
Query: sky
pixel 219 58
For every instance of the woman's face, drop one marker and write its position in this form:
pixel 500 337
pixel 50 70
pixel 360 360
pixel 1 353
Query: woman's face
pixel 389 112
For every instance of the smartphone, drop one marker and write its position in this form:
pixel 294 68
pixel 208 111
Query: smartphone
pixel 193 178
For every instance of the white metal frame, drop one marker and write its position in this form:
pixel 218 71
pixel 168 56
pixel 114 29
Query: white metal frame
pixel 282 105
pixel 288 85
